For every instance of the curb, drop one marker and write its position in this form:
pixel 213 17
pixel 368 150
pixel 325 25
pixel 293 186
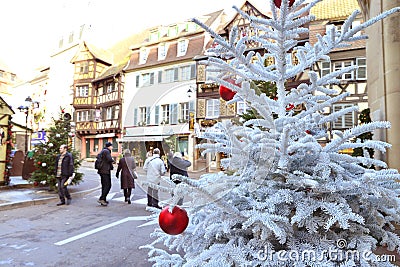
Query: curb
pixel 41 201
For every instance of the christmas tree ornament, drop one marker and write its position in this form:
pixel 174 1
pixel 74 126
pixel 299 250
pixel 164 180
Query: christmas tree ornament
pixel 226 93
pixel 279 2
pixel 175 222
pixel 289 107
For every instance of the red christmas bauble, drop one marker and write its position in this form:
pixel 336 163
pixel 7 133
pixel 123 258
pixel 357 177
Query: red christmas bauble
pixel 175 222
pixel 35 183
pixel 226 93
pixel 39 163
pixel 289 107
pixel 279 2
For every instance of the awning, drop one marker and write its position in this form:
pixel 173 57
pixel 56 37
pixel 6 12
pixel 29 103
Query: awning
pixel 140 138
pixel 100 135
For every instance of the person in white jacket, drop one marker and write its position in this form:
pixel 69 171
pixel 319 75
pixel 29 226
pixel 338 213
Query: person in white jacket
pixel 155 168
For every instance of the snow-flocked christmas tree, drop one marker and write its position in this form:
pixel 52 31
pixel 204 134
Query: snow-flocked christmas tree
pixel 286 200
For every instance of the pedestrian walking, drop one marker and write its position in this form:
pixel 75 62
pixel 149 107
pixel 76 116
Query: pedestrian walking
pixel 64 170
pixel 149 153
pixel 178 165
pixel 154 168
pixel 105 172
pixel 127 167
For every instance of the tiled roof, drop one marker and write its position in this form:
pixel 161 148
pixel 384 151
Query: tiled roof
pixel 101 54
pixel 334 9
pixel 111 71
pixel 195 48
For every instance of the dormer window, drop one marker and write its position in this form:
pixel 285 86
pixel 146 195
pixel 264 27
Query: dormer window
pixel 162 51
pixel 182 47
pixel 153 36
pixel 173 30
pixel 191 27
pixel 144 53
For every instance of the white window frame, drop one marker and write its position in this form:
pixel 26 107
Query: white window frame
pixel 361 66
pixel 147 79
pixel 212 108
pixel 143 54
pixel 162 51
pixel 82 90
pixel 325 68
pixel 241 107
pixel 184 111
pixel 185 73
pixel 154 35
pixel 109 113
pixel 165 114
pixel 142 115
pixel 110 87
pixel 342 64
pixel 169 75
pixel 173 30
pixel 346 121
pixel 182 47
pixel 83 115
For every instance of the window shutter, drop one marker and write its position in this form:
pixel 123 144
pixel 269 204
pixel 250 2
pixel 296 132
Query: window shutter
pixel 338 122
pixel 152 78
pixel 173 114
pixel 348 118
pixel 137 81
pixel 191 109
pixel 176 74
pixel 91 115
pixel 362 68
pixel 147 115
pixel 160 76
pixel 157 115
pixel 135 117
pixel 193 71
pixel 191 105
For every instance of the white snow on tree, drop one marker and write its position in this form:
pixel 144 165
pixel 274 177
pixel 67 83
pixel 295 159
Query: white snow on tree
pixel 286 200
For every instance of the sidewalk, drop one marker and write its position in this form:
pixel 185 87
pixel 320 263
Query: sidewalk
pixel 20 193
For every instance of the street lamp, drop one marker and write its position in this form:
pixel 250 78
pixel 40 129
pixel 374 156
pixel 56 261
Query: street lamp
pixel 25 108
pixel 190 93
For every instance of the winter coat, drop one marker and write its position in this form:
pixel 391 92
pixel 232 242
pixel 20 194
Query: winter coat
pixel 178 166
pixel 67 165
pixel 155 168
pixel 126 176
pixel 108 162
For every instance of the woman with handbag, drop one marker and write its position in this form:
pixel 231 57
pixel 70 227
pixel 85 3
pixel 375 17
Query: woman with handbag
pixel 127 167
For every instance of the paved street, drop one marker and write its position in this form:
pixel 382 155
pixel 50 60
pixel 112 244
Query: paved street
pixel 82 234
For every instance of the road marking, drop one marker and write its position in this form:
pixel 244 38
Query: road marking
pixel 148 223
pixel 68 240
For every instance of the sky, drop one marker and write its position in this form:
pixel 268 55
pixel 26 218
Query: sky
pixel 31 29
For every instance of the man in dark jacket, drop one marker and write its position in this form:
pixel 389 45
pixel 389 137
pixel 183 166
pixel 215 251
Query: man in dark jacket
pixel 178 165
pixel 64 170
pixel 105 173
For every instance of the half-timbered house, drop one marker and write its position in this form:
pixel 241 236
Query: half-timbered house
pixel 210 106
pixel 333 14
pixel 160 78
pixel 96 100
